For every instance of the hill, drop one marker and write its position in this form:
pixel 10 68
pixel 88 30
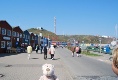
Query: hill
pixel 80 38
pixel 45 33
pixel 86 39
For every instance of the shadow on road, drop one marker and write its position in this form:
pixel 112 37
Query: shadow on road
pixel 8 54
pixel 35 58
pixel 54 58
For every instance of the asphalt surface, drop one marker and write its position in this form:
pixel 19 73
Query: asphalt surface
pixel 88 68
pixel 18 67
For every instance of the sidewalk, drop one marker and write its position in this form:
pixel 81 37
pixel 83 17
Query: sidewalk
pixel 18 67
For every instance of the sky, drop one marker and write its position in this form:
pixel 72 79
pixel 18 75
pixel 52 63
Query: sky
pixel 73 17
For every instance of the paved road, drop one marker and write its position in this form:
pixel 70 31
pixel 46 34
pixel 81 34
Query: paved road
pixel 18 67
pixel 86 68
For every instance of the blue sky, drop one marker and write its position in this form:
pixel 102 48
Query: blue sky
pixel 80 17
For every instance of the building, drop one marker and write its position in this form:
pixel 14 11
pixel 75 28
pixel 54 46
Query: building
pixel 32 40
pixel 26 38
pixel 36 39
pixel 17 37
pixel 5 36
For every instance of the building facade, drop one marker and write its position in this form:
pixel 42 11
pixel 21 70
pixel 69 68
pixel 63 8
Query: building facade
pixel 17 37
pixel 32 40
pixel 36 39
pixel 5 36
pixel 26 38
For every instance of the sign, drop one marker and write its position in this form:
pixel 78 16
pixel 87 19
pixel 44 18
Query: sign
pixel 6 38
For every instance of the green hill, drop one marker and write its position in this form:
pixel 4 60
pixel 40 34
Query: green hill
pixel 86 38
pixel 45 33
pixel 80 38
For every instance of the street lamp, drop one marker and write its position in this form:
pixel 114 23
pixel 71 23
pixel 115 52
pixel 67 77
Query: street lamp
pixel 100 44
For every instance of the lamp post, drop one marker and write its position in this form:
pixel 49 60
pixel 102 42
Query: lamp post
pixel 100 44
pixel 82 43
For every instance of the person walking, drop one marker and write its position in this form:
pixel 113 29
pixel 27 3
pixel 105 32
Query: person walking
pixel 29 51
pixel 73 50
pixel 45 51
pixel 52 50
pixel 78 51
pixel 37 48
pixel 41 48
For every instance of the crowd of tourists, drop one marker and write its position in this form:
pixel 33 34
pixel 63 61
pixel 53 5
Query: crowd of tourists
pixel 44 49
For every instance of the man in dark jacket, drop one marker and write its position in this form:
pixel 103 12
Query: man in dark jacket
pixel 37 48
pixel 45 52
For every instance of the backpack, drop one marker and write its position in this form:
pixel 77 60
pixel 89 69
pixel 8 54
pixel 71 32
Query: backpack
pixel 77 49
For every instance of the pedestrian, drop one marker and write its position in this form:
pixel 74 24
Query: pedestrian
pixel 37 48
pixel 41 48
pixel 52 50
pixel 115 61
pixel 45 51
pixel 29 51
pixel 73 50
pixel 78 51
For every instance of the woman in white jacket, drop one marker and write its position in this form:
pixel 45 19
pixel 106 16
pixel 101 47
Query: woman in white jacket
pixel 52 50
pixel 29 51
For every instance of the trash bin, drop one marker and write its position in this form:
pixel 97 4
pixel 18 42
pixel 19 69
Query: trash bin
pixel 107 49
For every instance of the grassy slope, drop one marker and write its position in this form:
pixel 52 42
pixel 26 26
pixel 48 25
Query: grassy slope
pixel 80 38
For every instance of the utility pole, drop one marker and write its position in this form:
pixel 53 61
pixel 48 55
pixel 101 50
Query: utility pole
pixel 55 25
pixel 100 44
pixel 116 32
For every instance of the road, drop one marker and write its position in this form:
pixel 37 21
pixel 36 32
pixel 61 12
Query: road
pixel 86 68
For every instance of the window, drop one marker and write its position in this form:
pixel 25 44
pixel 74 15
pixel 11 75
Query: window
pixel 8 44
pixel 14 33
pixel 9 32
pixel 17 34
pixel 23 35
pixel 2 44
pixel 26 36
pixel 35 38
pixel 20 35
pixel 3 31
pixel 32 38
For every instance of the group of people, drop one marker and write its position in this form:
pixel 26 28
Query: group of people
pixel 51 51
pixel 76 50
pixel 46 50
